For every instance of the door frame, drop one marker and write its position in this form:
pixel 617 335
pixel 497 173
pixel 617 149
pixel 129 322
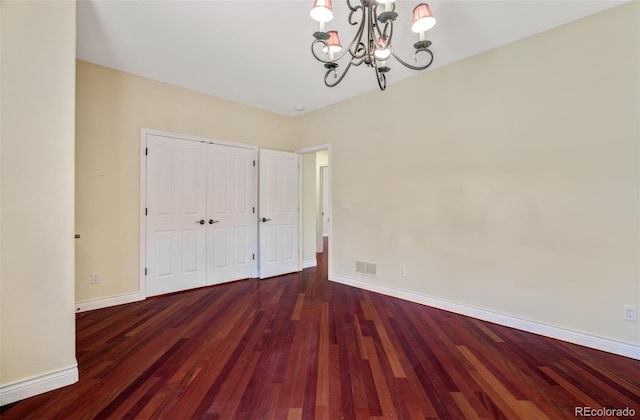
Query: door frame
pixel 300 152
pixel 143 196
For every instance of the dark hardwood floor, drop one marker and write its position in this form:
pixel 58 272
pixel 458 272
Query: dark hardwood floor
pixel 299 346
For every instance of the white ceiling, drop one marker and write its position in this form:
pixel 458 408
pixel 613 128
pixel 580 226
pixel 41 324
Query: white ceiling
pixel 258 52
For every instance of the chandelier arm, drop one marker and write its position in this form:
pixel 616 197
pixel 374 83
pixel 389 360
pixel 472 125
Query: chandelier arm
pixel 382 79
pixel 382 32
pixel 412 67
pixel 354 9
pixel 357 39
pixel 357 55
pixel 324 45
pixel 371 26
pixel 335 73
pixel 354 53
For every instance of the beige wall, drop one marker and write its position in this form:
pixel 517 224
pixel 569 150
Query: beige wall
pixel 506 182
pixel 112 107
pixel 37 320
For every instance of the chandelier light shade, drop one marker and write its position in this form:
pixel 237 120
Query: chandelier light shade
pixel 371 45
pixel 332 43
pixel 422 19
pixel 321 12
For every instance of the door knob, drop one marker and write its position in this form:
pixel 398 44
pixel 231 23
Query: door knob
pixel 201 221
pixel 264 219
pixel 211 221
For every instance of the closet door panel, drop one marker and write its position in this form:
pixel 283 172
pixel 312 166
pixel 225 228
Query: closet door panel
pixel 230 193
pixel 176 203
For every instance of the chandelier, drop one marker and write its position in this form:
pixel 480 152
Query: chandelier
pixel 376 17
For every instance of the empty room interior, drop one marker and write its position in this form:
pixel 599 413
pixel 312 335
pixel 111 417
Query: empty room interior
pixel 211 209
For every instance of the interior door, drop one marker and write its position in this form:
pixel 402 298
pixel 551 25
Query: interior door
pixel 176 211
pixel 278 213
pixel 230 213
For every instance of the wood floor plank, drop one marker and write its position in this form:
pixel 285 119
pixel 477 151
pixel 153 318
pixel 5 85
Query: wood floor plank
pixel 382 388
pixel 298 308
pixel 502 396
pixel 322 387
pixel 612 393
pixel 464 406
pixel 389 349
pixel 302 347
pixel 628 385
pixel 295 414
pixel 574 390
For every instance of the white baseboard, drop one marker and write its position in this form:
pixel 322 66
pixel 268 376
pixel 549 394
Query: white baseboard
pixel 575 337
pixel 309 263
pixel 90 305
pixel 40 384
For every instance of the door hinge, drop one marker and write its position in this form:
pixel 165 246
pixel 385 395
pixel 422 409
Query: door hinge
pixel 254 210
pixel 146 151
pixel 254 256
pixel 146 211
pixel 254 163
pixel 145 271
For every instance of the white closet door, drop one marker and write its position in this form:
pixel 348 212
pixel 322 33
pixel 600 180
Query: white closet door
pixel 176 209
pixel 230 213
pixel 278 213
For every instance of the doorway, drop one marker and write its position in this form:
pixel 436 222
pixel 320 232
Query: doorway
pixel 315 203
pixel 324 207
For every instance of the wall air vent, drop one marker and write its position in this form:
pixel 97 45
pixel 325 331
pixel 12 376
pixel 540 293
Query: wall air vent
pixel 366 268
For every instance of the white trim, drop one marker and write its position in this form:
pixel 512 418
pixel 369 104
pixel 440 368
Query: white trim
pixel 105 302
pixel 575 337
pixel 312 149
pixel 142 261
pixel 300 213
pixel 256 238
pixel 309 263
pixel 36 385
pixel 143 198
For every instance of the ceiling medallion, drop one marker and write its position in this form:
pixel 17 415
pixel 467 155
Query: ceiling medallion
pixel 376 18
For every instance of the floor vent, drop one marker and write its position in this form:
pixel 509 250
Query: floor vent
pixel 366 268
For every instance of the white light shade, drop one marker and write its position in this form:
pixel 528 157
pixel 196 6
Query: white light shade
pixel 381 53
pixel 321 11
pixel 422 18
pixel 333 43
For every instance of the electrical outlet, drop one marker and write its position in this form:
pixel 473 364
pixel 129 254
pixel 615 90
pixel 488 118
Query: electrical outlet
pixel 95 278
pixel 403 271
pixel 630 313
